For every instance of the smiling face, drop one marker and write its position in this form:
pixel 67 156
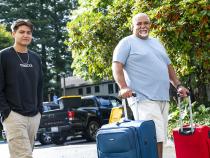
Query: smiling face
pixel 141 26
pixel 22 36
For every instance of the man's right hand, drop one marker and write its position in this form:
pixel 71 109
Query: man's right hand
pixel 125 92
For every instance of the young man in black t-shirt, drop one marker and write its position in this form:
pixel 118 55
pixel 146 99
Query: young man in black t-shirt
pixel 20 91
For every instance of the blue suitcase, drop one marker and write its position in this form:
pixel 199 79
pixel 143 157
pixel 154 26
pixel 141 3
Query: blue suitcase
pixel 127 139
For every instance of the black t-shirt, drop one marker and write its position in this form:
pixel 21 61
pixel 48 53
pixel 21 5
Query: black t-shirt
pixel 20 83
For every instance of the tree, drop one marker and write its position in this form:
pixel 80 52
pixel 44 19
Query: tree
pixel 5 38
pixel 94 33
pixel 182 26
pixel 49 18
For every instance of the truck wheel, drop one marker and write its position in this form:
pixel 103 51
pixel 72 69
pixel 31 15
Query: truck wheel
pixel 44 139
pixel 59 140
pixel 91 130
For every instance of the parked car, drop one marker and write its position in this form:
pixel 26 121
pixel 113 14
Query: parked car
pixel 3 133
pixel 43 137
pixel 1 129
pixel 77 116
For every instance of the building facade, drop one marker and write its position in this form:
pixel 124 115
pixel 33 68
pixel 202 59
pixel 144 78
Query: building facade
pixel 76 86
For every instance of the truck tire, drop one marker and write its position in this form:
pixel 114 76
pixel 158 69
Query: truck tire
pixel 91 130
pixel 45 139
pixel 59 140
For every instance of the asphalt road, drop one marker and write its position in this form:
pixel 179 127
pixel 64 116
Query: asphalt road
pixel 73 149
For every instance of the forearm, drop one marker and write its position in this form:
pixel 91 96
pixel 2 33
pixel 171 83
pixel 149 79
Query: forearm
pixel 40 91
pixel 4 106
pixel 172 76
pixel 40 100
pixel 3 103
pixel 117 69
pixel 183 92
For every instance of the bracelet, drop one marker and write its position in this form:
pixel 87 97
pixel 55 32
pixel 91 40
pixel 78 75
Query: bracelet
pixel 179 85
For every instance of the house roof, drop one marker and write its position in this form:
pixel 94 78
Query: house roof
pixel 74 81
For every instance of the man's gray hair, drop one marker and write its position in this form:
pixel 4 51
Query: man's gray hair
pixel 137 16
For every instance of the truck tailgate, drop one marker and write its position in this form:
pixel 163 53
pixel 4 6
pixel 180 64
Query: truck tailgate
pixel 54 118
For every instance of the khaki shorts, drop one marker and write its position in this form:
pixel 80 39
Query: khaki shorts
pixel 156 111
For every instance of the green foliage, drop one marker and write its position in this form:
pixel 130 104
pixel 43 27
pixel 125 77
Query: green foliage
pixel 94 33
pixel 201 115
pixel 181 25
pixel 5 38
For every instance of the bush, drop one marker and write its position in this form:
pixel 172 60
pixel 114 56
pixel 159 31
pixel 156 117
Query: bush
pixel 201 115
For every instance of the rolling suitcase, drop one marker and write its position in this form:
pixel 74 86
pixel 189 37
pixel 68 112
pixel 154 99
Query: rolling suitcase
pixel 191 141
pixel 127 139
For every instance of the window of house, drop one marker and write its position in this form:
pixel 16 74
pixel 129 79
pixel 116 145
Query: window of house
pixel 88 90
pixel 80 91
pixel 110 88
pixel 97 89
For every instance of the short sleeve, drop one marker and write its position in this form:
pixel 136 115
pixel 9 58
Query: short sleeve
pixel 121 51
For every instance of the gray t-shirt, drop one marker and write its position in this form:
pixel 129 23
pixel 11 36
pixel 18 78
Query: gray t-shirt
pixel 145 67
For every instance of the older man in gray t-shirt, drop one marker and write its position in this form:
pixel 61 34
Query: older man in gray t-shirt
pixel 145 67
pixel 141 65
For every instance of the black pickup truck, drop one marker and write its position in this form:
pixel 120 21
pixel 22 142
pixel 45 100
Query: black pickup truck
pixel 77 116
pixel 43 137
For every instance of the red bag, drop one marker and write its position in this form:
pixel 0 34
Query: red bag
pixel 192 144
pixel 191 141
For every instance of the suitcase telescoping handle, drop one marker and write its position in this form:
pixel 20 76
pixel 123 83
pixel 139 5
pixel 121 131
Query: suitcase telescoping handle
pixel 126 104
pixel 185 131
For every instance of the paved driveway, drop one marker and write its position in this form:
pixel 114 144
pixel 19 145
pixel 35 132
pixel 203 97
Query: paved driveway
pixel 73 149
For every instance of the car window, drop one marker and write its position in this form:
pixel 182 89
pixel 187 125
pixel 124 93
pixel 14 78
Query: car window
pixel 115 102
pixel 105 102
pixel 60 102
pixel 45 108
pixel 54 106
pixel 109 101
pixel 73 102
pixel 50 106
pixel 88 103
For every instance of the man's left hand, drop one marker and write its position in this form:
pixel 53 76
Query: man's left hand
pixel 182 91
